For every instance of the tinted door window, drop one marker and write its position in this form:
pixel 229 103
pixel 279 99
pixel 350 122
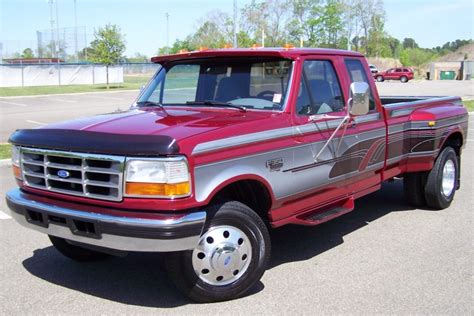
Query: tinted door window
pixel 320 91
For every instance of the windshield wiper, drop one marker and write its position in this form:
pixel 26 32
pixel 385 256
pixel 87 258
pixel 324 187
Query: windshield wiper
pixel 150 103
pixel 217 103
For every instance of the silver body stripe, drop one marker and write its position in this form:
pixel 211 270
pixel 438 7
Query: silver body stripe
pixel 423 125
pixel 284 184
pixel 402 112
pixel 306 175
pixel 311 127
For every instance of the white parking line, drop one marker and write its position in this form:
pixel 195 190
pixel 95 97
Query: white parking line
pixel 63 100
pixel 14 103
pixel 107 98
pixel 4 215
pixel 36 122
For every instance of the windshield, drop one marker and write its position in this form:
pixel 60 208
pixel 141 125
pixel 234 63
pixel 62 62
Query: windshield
pixel 250 84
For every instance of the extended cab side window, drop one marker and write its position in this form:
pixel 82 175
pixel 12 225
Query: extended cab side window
pixel 320 91
pixel 357 74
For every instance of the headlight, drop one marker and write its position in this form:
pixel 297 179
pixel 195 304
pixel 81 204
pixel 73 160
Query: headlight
pixel 166 177
pixel 16 162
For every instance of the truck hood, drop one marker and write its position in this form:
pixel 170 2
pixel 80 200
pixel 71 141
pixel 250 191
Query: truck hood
pixel 148 131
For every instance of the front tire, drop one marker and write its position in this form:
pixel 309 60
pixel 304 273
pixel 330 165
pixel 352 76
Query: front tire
pixel 76 253
pixel 442 180
pixel 379 79
pixel 230 258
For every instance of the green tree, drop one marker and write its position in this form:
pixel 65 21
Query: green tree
pixel 137 58
pixel 107 47
pixel 409 43
pixel 27 53
pixel 416 56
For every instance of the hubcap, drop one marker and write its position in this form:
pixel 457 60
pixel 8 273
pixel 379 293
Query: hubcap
pixel 222 255
pixel 449 178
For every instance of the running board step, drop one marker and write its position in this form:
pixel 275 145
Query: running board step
pixel 321 216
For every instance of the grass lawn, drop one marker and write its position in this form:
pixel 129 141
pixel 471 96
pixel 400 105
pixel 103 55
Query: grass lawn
pixel 130 83
pixel 469 105
pixel 5 151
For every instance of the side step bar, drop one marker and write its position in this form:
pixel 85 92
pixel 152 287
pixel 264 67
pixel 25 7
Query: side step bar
pixel 319 216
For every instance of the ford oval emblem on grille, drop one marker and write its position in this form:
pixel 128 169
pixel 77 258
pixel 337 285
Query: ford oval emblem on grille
pixel 63 174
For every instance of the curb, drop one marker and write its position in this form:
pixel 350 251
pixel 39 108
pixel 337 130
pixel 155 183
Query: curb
pixel 5 162
pixel 65 94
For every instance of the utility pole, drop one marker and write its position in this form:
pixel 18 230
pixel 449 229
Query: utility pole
pixel 263 37
pixel 235 24
pixel 75 32
pixel 51 20
pixel 167 32
pixel 348 22
pixel 57 31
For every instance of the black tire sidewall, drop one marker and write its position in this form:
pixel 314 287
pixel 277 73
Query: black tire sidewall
pixel 403 79
pixel 434 196
pixel 240 216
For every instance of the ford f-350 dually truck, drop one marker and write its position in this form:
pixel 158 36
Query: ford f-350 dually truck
pixel 222 146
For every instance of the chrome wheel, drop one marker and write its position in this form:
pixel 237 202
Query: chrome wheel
pixel 222 255
pixel 449 178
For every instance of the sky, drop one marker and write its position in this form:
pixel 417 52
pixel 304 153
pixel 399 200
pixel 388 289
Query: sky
pixel 430 22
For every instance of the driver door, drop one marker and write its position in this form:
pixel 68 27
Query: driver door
pixel 319 110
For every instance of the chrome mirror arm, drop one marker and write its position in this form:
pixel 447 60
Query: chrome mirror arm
pixel 344 122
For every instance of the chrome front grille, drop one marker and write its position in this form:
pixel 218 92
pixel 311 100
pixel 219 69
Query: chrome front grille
pixel 88 175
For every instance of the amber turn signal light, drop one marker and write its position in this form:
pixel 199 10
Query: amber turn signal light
pixel 16 172
pixel 157 189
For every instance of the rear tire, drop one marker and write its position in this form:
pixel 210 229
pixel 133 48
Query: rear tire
pixel 442 180
pixel 414 188
pixel 230 258
pixel 403 79
pixel 76 253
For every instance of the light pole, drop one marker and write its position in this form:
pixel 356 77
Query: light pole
pixel 235 24
pixel 57 31
pixel 75 32
pixel 167 32
pixel 51 20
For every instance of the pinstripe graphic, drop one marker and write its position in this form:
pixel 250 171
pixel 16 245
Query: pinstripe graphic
pixel 360 153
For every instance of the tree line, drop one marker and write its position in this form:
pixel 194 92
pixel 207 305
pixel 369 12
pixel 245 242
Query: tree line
pixel 357 25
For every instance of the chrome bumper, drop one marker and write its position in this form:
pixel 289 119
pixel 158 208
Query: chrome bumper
pixel 113 232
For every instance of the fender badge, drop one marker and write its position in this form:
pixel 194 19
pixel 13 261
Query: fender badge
pixel 274 164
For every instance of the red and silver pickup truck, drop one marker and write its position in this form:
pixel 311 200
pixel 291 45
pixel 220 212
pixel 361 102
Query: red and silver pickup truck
pixel 222 146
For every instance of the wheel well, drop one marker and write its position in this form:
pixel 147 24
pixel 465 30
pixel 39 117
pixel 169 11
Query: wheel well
pixel 252 193
pixel 455 141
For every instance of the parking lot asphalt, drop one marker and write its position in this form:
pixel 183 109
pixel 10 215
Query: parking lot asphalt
pixel 33 112
pixel 37 111
pixel 384 257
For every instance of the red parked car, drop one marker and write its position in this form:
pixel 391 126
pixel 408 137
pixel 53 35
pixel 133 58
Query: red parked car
pixel 403 74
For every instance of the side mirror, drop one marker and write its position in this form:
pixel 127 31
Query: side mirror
pixel 360 98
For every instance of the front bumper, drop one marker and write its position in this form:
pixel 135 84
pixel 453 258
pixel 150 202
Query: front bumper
pixel 108 231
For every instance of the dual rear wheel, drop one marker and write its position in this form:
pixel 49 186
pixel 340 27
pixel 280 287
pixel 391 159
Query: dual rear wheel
pixel 434 188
